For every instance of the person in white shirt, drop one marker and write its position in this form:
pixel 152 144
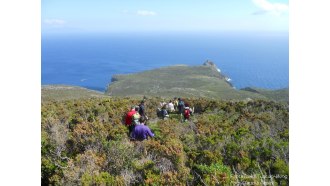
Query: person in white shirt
pixel 170 106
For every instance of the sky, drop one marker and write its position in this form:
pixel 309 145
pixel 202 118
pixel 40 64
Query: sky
pixel 75 16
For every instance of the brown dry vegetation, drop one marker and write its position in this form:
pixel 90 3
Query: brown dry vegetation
pixel 84 142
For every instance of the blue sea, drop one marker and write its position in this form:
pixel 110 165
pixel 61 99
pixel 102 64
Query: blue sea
pixel 90 60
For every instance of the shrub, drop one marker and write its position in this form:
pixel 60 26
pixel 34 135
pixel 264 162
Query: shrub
pixel 84 142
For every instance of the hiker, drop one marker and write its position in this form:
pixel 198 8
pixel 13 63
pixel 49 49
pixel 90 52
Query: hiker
pixel 170 106
pixel 159 112
pixel 142 108
pixel 187 113
pixel 175 103
pixel 164 113
pixel 136 116
pixel 129 120
pixel 161 104
pixel 142 131
pixel 180 106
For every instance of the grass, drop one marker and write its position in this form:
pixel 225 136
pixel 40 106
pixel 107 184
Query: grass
pixel 180 81
pixel 65 92
pixel 275 95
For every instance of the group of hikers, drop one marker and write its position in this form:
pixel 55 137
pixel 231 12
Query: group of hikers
pixel 136 119
pixel 175 106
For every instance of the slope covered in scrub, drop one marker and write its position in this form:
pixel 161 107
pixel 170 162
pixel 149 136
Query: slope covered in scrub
pixel 84 142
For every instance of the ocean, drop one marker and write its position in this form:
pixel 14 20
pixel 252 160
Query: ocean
pixel 90 60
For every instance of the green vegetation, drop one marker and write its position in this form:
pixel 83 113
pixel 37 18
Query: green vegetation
pixel 84 142
pixel 65 92
pixel 275 95
pixel 184 81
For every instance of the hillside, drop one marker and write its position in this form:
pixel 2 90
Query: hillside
pixel 275 95
pixel 65 92
pixel 84 142
pixel 181 81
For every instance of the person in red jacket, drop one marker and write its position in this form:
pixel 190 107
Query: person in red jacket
pixel 186 114
pixel 129 120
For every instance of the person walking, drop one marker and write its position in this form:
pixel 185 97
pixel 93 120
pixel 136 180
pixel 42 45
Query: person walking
pixel 129 120
pixel 142 131
pixel 170 106
pixel 142 108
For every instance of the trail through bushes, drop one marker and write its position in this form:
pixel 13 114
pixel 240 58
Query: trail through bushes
pixel 84 142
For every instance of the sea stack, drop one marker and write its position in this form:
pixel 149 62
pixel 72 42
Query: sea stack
pixel 211 64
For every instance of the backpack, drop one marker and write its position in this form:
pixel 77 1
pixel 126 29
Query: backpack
pixel 136 118
pixel 164 113
pixel 187 113
pixel 141 109
pixel 159 112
